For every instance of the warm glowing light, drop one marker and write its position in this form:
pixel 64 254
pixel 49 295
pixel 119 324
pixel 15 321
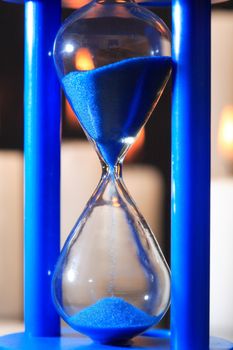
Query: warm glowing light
pixel 74 4
pixel 225 134
pixel 70 115
pixel 84 59
pixel 136 147
pixel 115 202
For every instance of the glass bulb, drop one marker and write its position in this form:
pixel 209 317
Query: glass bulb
pixel 111 281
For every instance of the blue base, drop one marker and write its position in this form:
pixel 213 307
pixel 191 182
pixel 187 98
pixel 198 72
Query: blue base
pixel 150 341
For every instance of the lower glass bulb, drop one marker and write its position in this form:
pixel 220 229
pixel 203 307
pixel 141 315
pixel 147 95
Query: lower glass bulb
pixel 111 281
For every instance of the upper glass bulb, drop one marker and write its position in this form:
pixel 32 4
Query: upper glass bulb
pixel 109 31
pixel 111 281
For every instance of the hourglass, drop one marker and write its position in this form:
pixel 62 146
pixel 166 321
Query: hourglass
pixel 190 184
pixel 111 281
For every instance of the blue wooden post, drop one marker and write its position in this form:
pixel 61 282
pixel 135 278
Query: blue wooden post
pixel 42 166
pixel 190 175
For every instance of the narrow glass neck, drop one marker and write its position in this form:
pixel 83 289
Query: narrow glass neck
pixel 115 172
pixel 114 1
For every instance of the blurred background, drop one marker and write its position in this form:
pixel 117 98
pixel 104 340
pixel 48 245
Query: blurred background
pixel 146 171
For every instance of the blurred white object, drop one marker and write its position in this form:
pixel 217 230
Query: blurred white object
pixel 11 234
pixel 11 326
pixel 222 81
pixel 221 286
pixel 81 173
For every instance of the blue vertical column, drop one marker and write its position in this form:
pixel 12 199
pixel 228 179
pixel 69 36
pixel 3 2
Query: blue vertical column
pixel 42 166
pixel 190 175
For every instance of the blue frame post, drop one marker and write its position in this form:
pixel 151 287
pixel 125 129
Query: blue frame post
pixel 42 166
pixel 190 175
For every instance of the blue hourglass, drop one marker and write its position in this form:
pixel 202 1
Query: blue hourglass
pixel 111 281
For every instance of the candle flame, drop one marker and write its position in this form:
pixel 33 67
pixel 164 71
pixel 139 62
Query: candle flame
pixel 136 147
pixel 70 115
pixel 84 59
pixel 74 4
pixel 225 134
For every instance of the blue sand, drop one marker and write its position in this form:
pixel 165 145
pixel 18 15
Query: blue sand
pixel 111 320
pixel 113 102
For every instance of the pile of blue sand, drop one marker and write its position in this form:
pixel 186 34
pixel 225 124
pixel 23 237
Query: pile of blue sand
pixel 113 102
pixel 111 320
